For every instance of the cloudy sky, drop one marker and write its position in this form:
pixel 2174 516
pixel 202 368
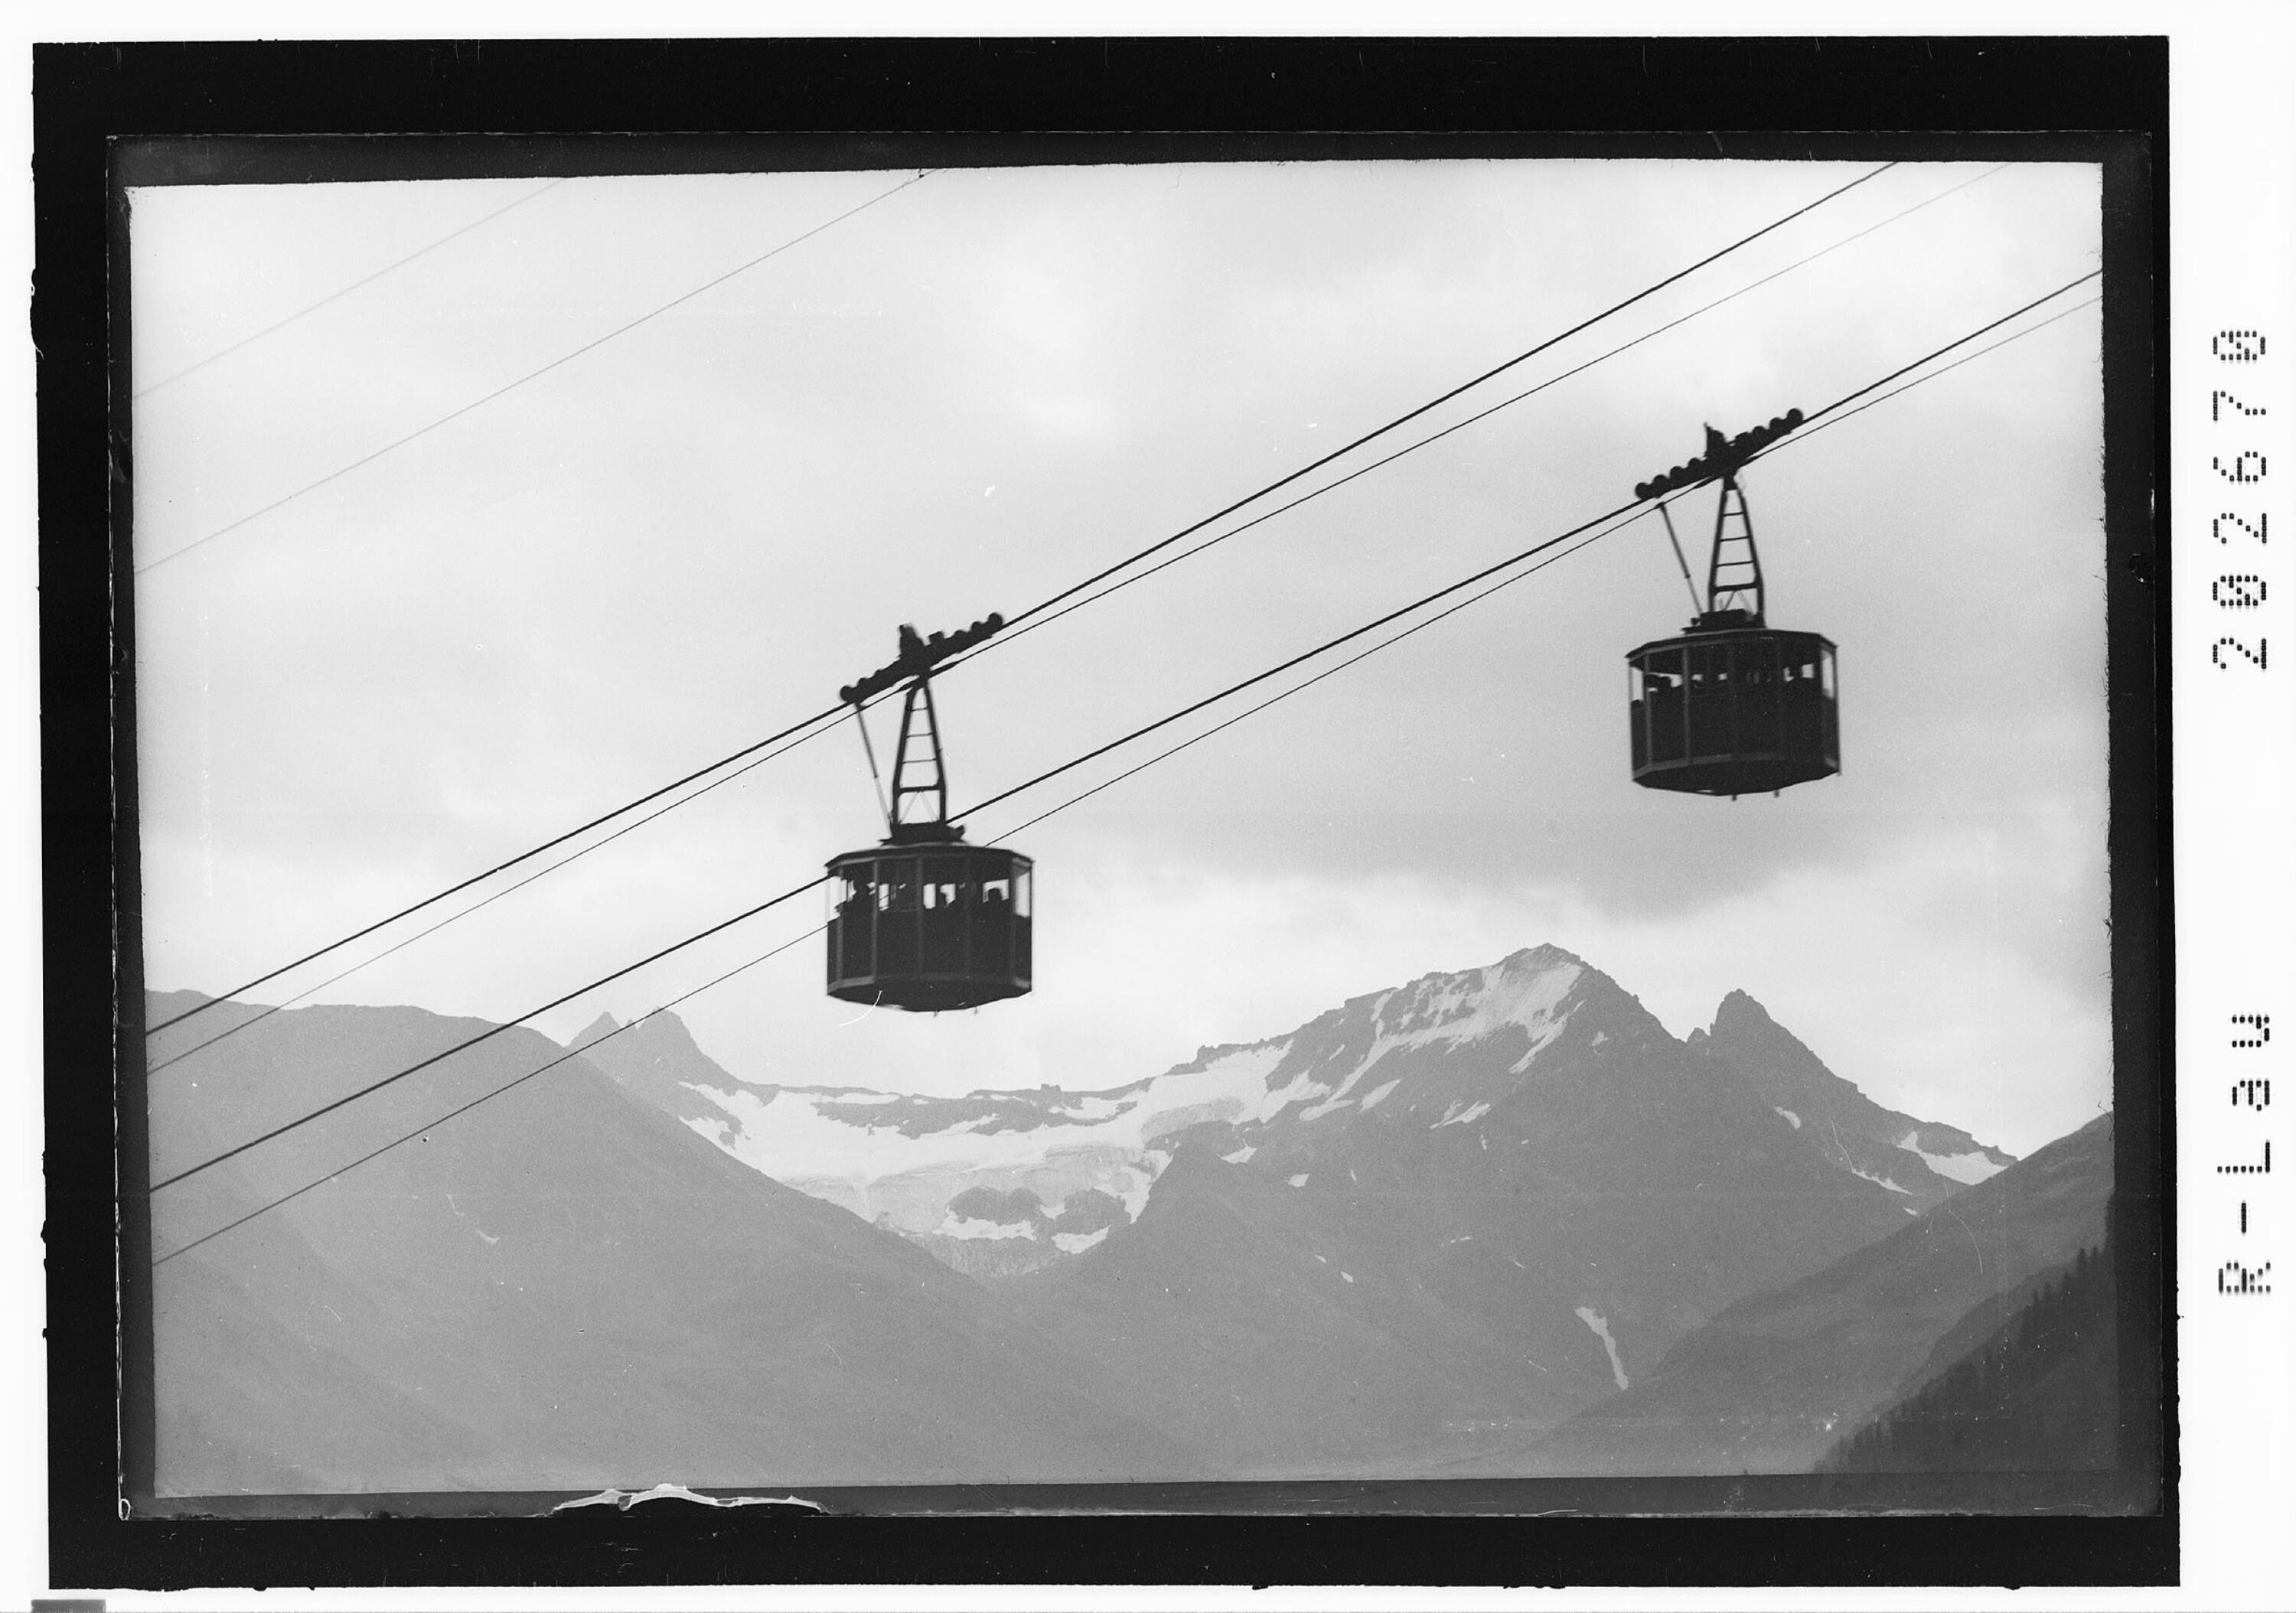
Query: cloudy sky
pixel 986 385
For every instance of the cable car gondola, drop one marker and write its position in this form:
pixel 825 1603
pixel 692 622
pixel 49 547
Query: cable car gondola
pixel 922 921
pixel 1732 706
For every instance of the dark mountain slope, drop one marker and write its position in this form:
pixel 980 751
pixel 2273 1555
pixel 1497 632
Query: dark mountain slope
pixel 2041 1393
pixel 1476 1201
pixel 1928 1161
pixel 561 1289
pixel 655 1059
pixel 1770 1384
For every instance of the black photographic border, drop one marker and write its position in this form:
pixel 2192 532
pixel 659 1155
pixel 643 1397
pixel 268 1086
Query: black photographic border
pixel 105 115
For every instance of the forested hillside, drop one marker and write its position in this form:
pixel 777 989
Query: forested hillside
pixel 2040 1394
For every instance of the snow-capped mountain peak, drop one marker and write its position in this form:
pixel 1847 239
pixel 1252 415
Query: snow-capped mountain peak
pixel 1468 1058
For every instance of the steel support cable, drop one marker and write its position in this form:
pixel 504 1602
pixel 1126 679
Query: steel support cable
pixel 1098 751
pixel 281 324
pixel 819 723
pixel 488 1034
pixel 1351 635
pixel 1506 564
pixel 1194 549
pixel 571 1054
pixel 1327 672
pixel 574 1052
pixel 274 1008
pixel 1811 419
pixel 2038 325
pixel 1630 513
pixel 1068 593
pixel 565 358
pixel 821 717
pixel 1404 419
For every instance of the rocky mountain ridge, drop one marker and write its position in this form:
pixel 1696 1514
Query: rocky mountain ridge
pixel 1770 1384
pixel 1476 1204
pixel 558 1289
pixel 906 1160
pixel 1928 1161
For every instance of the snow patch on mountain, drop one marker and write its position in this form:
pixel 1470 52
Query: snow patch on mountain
pixel 1467 1007
pixel 1969 1169
pixel 900 1157
pixel 810 1134
pixel 1523 993
pixel 1338 1100
pixel 1791 1119
pixel 720 1132
pixel 1075 1243
pixel 971 1227
pixel 1878 1181
pixel 1595 1319
pixel 1133 1187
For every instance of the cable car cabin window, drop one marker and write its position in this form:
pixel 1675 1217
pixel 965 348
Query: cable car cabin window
pixel 1802 717
pixel 1660 723
pixel 944 881
pixel 1829 711
pixel 853 927
pixel 1644 682
pixel 1712 723
pixel 1756 709
pixel 1024 888
pixel 943 945
pixel 898 936
pixel 897 886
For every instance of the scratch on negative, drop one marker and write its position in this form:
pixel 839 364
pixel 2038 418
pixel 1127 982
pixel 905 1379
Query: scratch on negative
pixel 1846 1159
pixel 1973 1244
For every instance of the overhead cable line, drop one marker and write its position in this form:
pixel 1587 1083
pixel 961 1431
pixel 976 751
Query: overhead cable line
pixel 1406 418
pixel 818 717
pixel 1052 772
pixel 1504 565
pixel 1482 594
pixel 571 1054
pixel 1069 593
pixel 488 1034
pixel 1194 549
pixel 2039 325
pixel 271 1008
pixel 281 324
pixel 1328 672
pixel 564 359
pixel 1630 512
